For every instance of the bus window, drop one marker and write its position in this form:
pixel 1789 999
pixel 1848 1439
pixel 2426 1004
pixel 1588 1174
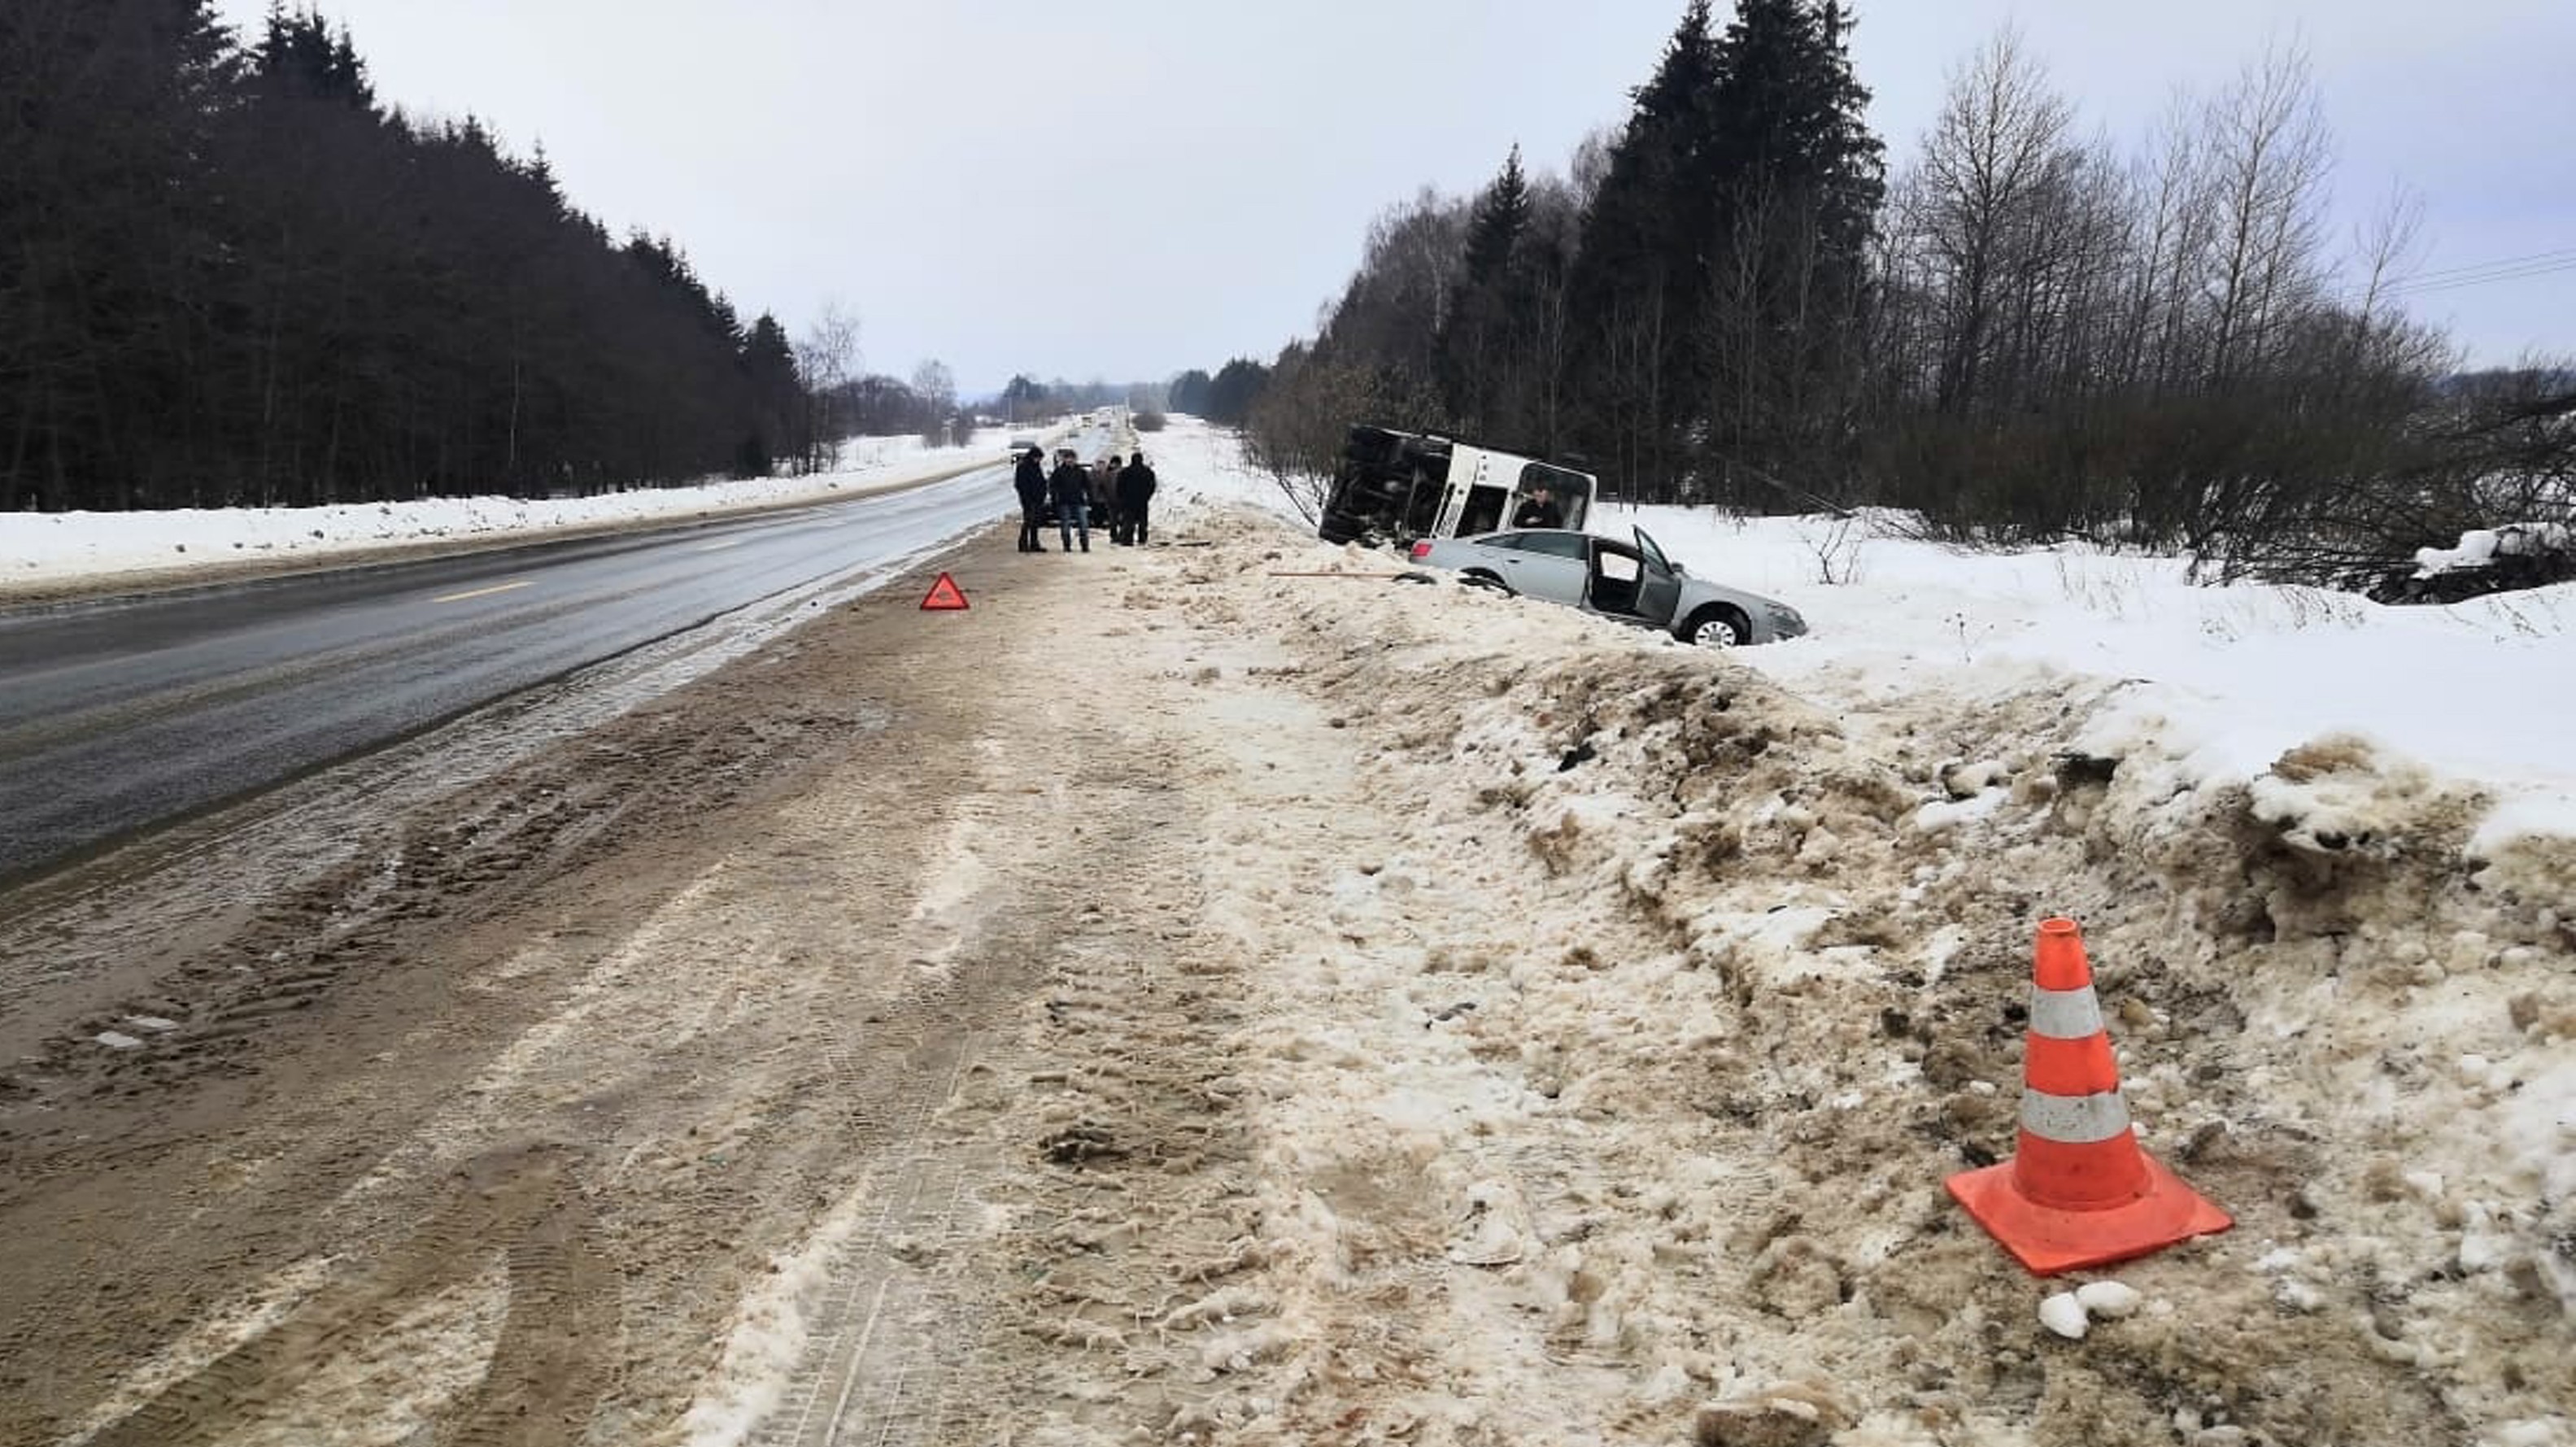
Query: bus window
pixel 1572 491
pixel 1483 512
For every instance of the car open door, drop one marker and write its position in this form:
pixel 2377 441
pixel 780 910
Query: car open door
pixel 1659 593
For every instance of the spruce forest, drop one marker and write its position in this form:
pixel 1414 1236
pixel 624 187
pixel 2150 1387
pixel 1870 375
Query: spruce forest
pixel 2021 331
pixel 231 277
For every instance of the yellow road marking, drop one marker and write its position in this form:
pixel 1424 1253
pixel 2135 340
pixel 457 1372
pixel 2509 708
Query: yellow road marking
pixel 482 592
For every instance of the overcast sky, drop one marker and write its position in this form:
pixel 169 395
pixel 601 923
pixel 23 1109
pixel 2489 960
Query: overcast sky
pixel 1120 189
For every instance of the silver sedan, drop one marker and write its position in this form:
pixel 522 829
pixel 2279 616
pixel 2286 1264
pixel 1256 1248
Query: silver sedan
pixel 1636 585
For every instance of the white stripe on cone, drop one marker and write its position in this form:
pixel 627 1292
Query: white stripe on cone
pixel 2065 1014
pixel 2075 1120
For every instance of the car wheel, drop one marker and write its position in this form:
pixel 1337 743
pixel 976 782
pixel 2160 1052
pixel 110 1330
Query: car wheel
pixel 1716 626
pixel 1478 578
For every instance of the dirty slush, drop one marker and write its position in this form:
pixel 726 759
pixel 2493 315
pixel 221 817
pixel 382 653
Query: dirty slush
pixel 1169 1002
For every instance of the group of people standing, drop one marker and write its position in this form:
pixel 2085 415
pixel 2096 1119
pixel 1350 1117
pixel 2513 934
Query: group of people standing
pixel 1120 488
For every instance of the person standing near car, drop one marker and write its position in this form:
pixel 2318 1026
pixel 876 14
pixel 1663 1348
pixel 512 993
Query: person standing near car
pixel 1538 510
pixel 1104 496
pixel 1135 491
pixel 1071 487
pixel 1031 480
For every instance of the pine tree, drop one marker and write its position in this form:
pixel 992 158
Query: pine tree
pixel 1501 215
pixel 1236 386
pixel 109 216
pixel 300 59
pixel 1640 274
pixel 1796 178
pixel 769 364
pixel 1788 115
pixel 346 74
pixel 1478 331
pixel 1852 161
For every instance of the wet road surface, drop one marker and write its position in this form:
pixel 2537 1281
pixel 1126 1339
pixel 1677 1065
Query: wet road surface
pixel 122 713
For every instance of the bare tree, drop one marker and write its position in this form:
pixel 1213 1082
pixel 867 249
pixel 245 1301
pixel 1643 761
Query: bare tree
pixel 1996 150
pixel 2387 246
pixel 827 357
pixel 1548 327
pixel 1632 388
pixel 2270 159
pixel 1397 304
pixel 1591 162
pixel 936 386
pixel 1297 426
pixel 2171 214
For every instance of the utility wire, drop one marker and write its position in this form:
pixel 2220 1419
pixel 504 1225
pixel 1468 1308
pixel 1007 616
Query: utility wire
pixel 2511 268
pixel 2439 272
pixel 2505 273
pixel 2442 286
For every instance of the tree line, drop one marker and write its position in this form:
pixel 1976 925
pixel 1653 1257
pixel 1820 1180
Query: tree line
pixel 2026 331
pixel 229 275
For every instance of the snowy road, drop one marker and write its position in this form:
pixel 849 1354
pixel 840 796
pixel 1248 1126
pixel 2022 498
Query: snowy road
pixel 118 714
pixel 1188 999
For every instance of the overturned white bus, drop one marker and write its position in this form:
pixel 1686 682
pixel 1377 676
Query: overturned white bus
pixel 1394 488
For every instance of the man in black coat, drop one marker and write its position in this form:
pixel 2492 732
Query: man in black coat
pixel 1031 481
pixel 1104 493
pixel 1539 510
pixel 1135 491
pixel 1071 488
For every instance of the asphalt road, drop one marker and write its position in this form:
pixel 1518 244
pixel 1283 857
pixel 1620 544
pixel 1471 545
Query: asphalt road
pixel 122 713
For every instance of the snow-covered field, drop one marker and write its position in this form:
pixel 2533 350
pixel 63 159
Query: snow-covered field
pixel 43 551
pixel 2222 679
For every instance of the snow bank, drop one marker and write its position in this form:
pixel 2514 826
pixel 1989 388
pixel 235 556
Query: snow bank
pixel 1606 1093
pixel 2480 547
pixel 2482 687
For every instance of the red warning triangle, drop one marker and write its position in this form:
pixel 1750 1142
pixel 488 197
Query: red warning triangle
pixel 945 596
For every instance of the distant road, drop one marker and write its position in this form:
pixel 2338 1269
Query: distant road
pixel 117 714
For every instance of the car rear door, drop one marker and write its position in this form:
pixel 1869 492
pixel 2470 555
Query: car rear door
pixel 1505 555
pixel 1553 567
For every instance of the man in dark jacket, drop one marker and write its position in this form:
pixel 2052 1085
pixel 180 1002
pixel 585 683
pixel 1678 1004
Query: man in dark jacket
pixel 1539 510
pixel 1104 495
pixel 1031 481
pixel 1071 488
pixel 1135 490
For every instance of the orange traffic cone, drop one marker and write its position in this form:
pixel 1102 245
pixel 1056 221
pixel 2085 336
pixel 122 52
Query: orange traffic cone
pixel 2078 1191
